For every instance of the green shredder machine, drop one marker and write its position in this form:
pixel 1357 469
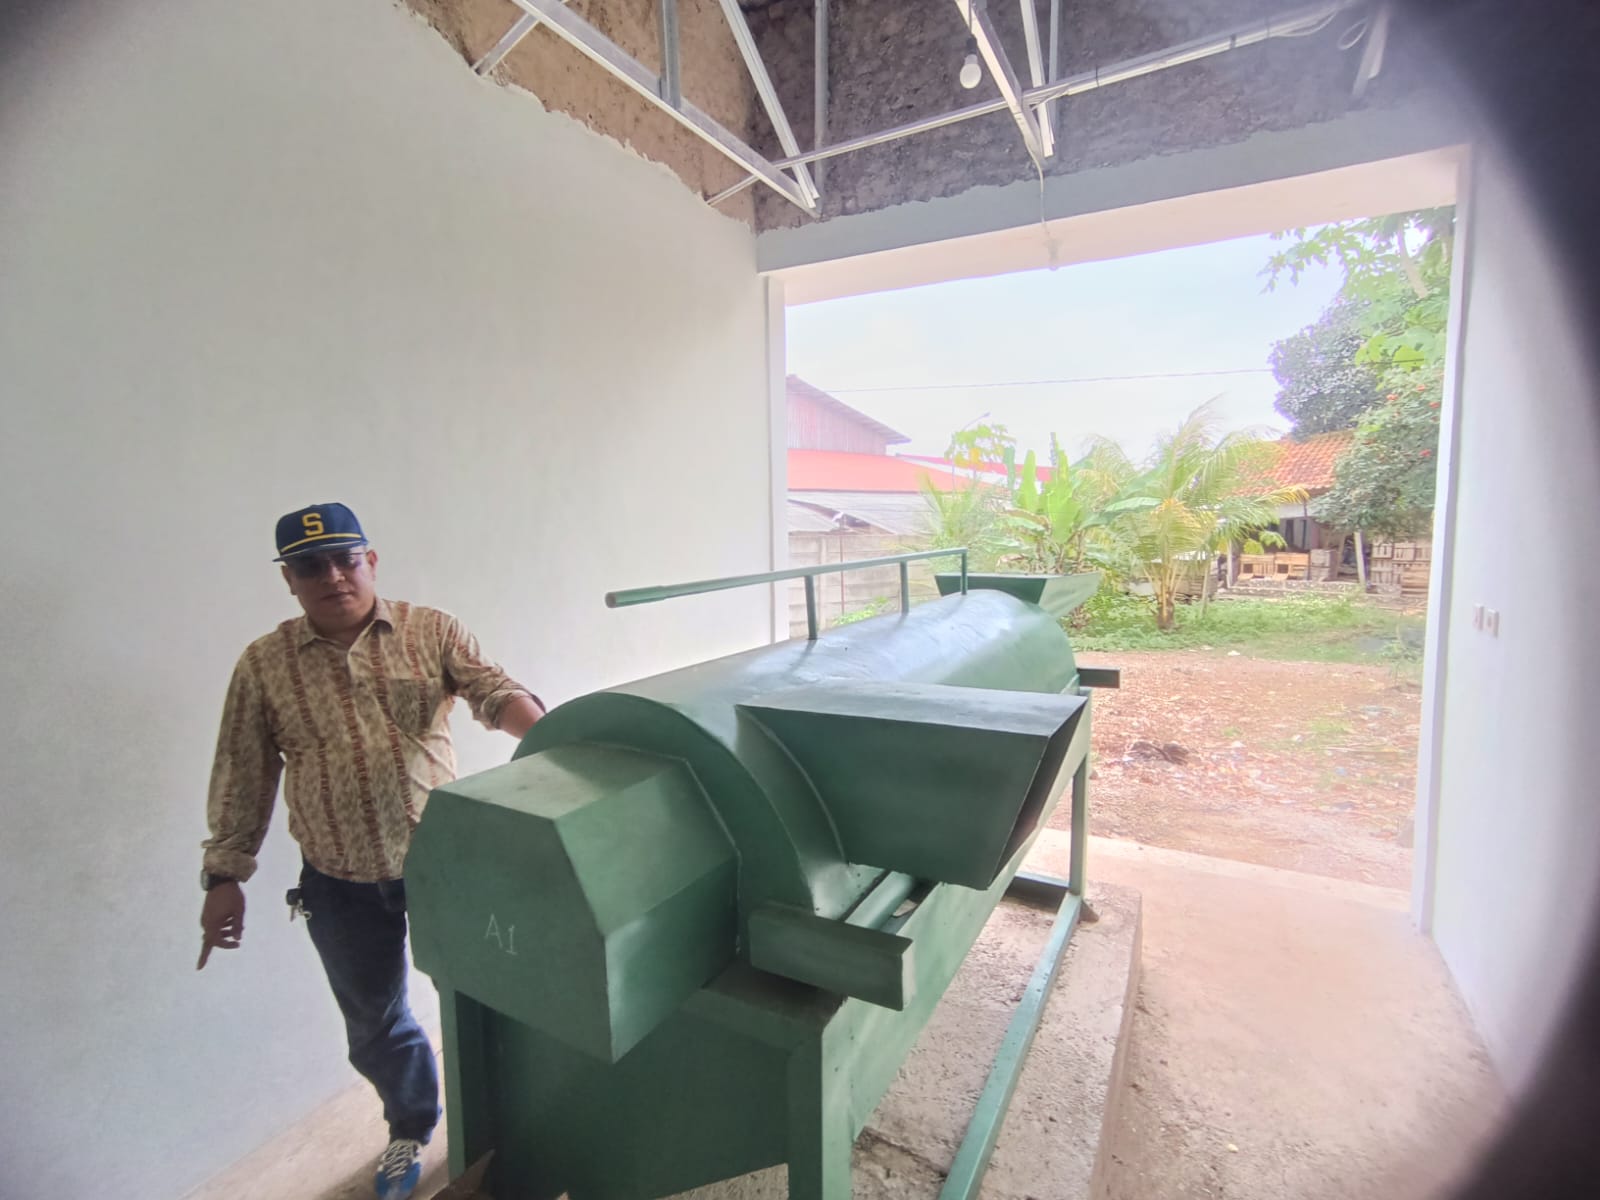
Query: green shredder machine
pixel 695 925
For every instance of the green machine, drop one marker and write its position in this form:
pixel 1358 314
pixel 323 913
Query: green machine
pixel 695 925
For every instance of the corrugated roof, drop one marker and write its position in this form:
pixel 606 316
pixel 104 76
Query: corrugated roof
pixel 1310 464
pixel 893 512
pixel 805 519
pixel 835 471
pixel 799 388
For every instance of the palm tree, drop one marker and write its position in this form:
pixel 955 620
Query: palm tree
pixel 1194 495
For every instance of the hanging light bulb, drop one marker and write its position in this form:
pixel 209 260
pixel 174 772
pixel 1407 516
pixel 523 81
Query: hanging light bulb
pixel 971 72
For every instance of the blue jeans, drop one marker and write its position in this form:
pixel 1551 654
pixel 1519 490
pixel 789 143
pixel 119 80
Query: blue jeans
pixel 359 930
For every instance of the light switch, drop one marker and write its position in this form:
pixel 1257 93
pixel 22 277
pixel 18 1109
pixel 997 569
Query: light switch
pixel 1491 621
pixel 1477 616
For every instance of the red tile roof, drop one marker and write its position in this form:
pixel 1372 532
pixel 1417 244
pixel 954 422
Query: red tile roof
pixel 834 471
pixel 1309 464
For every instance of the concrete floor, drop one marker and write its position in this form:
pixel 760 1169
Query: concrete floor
pixel 1292 1036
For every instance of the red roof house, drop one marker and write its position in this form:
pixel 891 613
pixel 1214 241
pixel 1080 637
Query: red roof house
pixel 1310 464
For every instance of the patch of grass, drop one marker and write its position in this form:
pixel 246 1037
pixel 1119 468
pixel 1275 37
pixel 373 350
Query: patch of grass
pixel 1319 734
pixel 1326 731
pixel 873 608
pixel 1303 628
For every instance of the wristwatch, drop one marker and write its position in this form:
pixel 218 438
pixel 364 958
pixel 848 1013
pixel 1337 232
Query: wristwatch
pixel 209 881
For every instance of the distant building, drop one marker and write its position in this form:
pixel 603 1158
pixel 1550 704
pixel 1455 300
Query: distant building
pixel 1309 465
pixel 842 478
pixel 850 499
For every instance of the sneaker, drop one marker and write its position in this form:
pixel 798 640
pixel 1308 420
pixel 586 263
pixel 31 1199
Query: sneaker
pixel 399 1170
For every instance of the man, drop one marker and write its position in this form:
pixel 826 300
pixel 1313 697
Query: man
pixel 352 698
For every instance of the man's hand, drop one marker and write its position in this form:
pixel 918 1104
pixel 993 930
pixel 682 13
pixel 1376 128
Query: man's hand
pixel 221 920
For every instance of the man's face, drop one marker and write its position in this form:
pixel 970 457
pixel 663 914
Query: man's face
pixel 336 588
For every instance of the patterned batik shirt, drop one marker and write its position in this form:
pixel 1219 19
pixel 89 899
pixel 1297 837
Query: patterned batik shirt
pixel 362 732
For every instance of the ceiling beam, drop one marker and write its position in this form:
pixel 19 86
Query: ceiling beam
pixel 671 59
pixel 522 27
pixel 819 86
pixel 1377 36
pixel 769 94
pixel 1030 33
pixel 1292 23
pixel 975 13
pixel 603 52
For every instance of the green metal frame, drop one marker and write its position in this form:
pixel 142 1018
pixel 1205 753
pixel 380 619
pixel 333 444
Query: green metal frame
pixel 650 595
pixel 784 1064
pixel 983 1131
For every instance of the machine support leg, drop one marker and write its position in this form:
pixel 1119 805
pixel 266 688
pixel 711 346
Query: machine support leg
pixel 972 1159
pixel 1080 828
pixel 820 1137
pixel 466 1079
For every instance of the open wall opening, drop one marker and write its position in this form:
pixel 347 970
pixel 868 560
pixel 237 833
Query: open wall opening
pixel 1276 724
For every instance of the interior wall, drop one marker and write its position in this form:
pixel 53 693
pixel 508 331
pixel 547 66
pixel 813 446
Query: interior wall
pixel 259 256
pixel 1516 823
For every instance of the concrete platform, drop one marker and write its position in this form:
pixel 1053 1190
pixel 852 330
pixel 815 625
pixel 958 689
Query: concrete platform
pixel 1294 1035
pixel 1049 1147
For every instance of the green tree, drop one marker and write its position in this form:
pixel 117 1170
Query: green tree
pixel 1397 267
pixel 1323 382
pixel 980 446
pixel 1195 494
pixel 1397 283
pixel 1385 483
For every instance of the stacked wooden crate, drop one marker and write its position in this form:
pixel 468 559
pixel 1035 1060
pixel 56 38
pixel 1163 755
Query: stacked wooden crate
pixel 1287 565
pixel 1402 566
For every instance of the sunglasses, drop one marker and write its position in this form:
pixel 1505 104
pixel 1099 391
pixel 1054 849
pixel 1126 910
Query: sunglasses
pixel 313 565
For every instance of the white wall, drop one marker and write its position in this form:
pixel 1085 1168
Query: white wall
pixel 254 256
pixel 1517 824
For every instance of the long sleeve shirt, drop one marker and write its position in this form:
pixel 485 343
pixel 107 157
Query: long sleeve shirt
pixel 359 736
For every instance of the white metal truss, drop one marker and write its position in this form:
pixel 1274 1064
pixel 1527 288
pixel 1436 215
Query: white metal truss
pixel 819 88
pixel 519 30
pixel 976 15
pixel 769 94
pixel 1377 36
pixel 1293 23
pixel 671 59
pixel 605 53
pixel 1030 34
pixel 1031 108
pixel 1055 59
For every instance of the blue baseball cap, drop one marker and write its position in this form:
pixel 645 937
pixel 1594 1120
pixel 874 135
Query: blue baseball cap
pixel 316 530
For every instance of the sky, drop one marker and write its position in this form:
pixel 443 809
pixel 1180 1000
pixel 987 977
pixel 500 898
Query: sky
pixel 1199 309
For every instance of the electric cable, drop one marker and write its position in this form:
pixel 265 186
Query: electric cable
pixel 1014 383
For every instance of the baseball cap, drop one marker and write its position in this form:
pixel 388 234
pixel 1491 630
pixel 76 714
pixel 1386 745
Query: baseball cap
pixel 317 529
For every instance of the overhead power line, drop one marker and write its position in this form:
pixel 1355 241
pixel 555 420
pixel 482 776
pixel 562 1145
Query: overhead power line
pixel 1012 383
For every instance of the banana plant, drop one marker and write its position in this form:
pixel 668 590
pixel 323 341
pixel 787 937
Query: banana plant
pixel 1052 521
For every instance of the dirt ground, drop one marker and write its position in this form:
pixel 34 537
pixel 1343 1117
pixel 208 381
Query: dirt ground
pixel 1301 765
